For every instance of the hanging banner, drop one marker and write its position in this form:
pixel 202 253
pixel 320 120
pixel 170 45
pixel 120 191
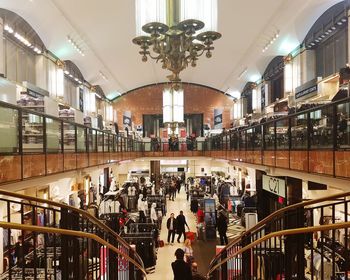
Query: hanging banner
pixel 127 119
pixel 218 118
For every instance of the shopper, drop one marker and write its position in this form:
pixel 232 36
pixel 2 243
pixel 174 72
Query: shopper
pixel 171 225
pixel 195 274
pixel 181 222
pixel 182 271
pixel 188 251
pixel 222 228
pixel 172 190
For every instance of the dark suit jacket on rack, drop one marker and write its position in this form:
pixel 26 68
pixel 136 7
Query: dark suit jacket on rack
pixel 182 270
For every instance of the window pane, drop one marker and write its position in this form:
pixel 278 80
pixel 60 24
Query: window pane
pixel 282 141
pixel 92 140
pixel 343 127
pixel 8 130
pixel 99 141
pixel 269 136
pixel 298 132
pixel 81 140
pixel 250 139
pixel 53 136
pixel 234 141
pixel 106 142
pixel 321 122
pixel 69 137
pixel 32 127
pixel 257 138
pixel 242 141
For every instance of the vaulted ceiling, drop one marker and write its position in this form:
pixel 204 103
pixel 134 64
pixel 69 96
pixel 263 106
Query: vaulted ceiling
pixel 104 30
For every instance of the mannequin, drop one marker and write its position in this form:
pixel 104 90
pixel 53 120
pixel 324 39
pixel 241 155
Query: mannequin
pixel 153 215
pixel 113 186
pixel 141 206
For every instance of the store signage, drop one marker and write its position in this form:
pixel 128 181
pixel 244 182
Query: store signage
pixel 306 90
pixel 274 185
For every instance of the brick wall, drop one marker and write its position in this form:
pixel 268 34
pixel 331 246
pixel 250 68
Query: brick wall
pixel 198 99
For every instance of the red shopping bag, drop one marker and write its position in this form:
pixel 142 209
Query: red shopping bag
pixel 191 236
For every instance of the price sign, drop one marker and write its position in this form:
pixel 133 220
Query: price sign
pixel 274 185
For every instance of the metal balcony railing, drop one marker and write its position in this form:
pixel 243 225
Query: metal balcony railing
pixel 49 240
pixel 308 240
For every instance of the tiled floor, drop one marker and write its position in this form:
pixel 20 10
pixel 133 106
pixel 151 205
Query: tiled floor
pixel 203 251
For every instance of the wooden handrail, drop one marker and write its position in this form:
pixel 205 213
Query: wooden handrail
pixel 82 212
pixel 279 234
pixel 279 213
pixel 72 233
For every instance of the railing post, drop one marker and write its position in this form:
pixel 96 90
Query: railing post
pixel 224 265
pixel 246 258
pixel 294 245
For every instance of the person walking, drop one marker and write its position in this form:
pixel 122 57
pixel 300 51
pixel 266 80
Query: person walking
pixel 195 274
pixel 181 270
pixel 172 190
pixel 181 222
pixel 171 225
pixel 222 228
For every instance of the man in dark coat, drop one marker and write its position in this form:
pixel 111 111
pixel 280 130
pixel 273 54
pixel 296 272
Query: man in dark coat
pixel 182 270
pixel 171 225
pixel 222 228
pixel 181 222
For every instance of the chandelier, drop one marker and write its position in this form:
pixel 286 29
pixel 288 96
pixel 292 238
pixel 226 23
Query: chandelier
pixel 176 46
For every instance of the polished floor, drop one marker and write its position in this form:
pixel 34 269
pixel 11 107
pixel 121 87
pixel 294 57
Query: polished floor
pixel 204 251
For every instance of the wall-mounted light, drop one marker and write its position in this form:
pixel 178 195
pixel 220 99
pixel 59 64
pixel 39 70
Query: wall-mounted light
pixel 75 45
pixel 271 41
